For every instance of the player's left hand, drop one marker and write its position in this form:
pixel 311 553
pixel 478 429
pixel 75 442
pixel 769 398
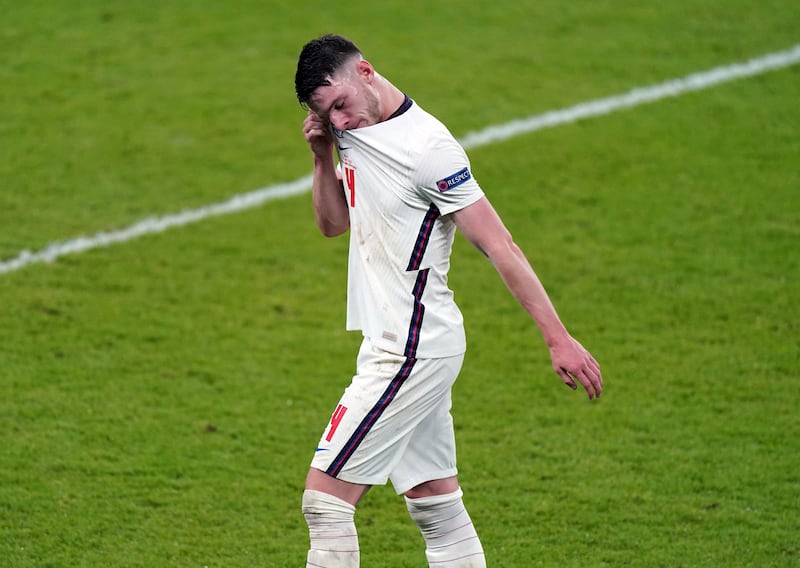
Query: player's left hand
pixel 572 362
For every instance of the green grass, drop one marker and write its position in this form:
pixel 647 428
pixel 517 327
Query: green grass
pixel 160 399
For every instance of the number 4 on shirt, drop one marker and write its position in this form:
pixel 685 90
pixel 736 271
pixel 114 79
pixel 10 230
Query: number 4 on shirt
pixel 350 182
pixel 338 414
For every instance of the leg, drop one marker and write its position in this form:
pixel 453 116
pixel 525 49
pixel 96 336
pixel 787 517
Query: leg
pixel 329 506
pixel 376 432
pixel 349 492
pixel 450 537
pixel 328 502
pixel 433 487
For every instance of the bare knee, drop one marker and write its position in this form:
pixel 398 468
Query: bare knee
pixel 320 481
pixel 433 487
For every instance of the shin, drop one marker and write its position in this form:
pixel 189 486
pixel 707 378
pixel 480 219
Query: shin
pixel 450 537
pixel 332 531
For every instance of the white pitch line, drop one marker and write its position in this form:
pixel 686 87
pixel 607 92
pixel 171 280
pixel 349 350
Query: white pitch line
pixel 635 97
pixel 489 135
pixel 152 225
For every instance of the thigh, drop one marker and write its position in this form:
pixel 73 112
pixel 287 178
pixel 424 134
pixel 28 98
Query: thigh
pixel 376 419
pixel 430 453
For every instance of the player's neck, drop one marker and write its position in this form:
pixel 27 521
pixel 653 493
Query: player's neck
pixel 390 97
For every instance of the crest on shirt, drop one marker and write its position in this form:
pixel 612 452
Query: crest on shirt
pixel 454 180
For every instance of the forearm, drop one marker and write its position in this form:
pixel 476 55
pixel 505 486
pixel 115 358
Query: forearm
pixel 523 283
pixel 483 227
pixel 327 194
pixel 330 206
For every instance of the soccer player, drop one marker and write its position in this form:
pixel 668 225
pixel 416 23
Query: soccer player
pixel 402 186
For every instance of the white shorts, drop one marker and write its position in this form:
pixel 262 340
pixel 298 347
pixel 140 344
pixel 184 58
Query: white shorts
pixel 392 422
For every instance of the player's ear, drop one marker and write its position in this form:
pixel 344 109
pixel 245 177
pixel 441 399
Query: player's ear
pixel 365 70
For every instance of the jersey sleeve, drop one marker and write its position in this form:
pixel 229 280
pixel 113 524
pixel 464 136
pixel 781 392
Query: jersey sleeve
pixel 443 176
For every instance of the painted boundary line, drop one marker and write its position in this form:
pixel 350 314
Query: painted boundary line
pixel 639 96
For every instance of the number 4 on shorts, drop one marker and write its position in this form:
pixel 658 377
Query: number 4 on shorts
pixel 338 414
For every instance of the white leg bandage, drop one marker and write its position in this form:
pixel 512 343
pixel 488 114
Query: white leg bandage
pixel 334 541
pixel 450 537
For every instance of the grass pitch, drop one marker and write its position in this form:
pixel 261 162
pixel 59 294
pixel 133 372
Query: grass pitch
pixel 160 399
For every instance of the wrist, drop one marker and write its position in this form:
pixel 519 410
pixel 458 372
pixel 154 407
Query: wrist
pixel 324 160
pixel 556 336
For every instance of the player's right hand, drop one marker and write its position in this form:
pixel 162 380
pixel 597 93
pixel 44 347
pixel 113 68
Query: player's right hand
pixel 317 133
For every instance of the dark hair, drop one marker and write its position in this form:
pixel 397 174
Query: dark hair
pixel 319 60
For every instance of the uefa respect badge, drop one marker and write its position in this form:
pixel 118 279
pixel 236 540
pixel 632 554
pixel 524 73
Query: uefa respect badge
pixel 454 180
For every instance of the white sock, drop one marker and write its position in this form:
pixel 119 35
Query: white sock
pixel 332 531
pixel 450 537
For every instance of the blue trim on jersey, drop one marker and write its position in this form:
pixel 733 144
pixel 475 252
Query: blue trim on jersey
pixel 407 102
pixel 371 418
pixel 423 238
pixel 416 317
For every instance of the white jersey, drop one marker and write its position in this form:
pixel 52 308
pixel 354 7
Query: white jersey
pixel 402 178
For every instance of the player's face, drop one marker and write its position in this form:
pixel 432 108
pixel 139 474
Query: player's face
pixel 350 101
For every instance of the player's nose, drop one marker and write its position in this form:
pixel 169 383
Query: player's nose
pixel 339 120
